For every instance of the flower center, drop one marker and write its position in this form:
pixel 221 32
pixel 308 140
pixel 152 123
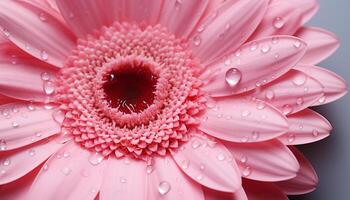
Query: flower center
pixel 130 89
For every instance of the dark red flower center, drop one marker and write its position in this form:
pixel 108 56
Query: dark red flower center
pixel 130 89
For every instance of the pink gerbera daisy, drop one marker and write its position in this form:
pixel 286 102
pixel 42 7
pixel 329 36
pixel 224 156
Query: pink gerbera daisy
pixel 160 99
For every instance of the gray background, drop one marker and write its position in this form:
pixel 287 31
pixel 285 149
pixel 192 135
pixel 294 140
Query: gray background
pixel 331 157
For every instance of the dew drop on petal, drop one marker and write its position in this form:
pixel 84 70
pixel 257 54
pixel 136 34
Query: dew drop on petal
pixel 246 171
pixel 322 99
pixel 300 101
pixel 245 113
pixel 278 22
pixel 122 180
pixel 195 144
pixel 15 125
pixel 297 44
pixel 287 109
pixel 149 169
pixel 275 40
pixel 44 55
pixel 42 17
pixel 233 76
pixel 244 159
pixel 221 157
pixel 6 162
pixel 31 152
pixel 299 80
pixel 45 76
pixel 254 46
pixel 261 106
pixel 164 187
pixel 66 171
pixel 49 87
pixel 197 40
pixel 291 138
pixel 96 158
pixel 185 164
pixel 270 94
pixel 315 133
pixel 265 49
pixel 3 145
pixel 58 116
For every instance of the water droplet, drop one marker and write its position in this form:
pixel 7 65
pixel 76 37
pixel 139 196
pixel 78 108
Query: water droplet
pixel 265 49
pixel 197 40
pixel 3 171
pixel 6 32
pixel 42 17
pixel 3 145
pixel 322 100
pixel 255 135
pixel 270 94
pixel 300 101
pixel 287 109
pixel 44 55
pixel 233 77
pixel 66 171
pixel 297 44
pixel 149 169
pixel 244 139
pixel 275 40
pixel 299 80
pixel 45 76
pixel 58 116
pixel 315 133
pixel 26 46
pixel 245 113
pixel 31 152
pixel 210 103
pixel 6 162
pixel 277 55
pixel 221 157
pixel 49 87
pixel 96 158
pixel 244 159
pixel 246 171
pixel 185 164
pixel 254 46
pixel 201 29
pixel 66 154
pixel 30 107
pixel 45 167
pixel 15 125
pixel 202 167
pixel 122 180
pixel 200 177
pixel 261 105
pixel 164 187
pixel 291 138
pixel 38 134
pixel 278 22
pixel 195 144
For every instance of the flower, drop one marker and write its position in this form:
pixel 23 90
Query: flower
pixel 161 99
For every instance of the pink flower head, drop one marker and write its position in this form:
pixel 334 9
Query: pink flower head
pixel 160 99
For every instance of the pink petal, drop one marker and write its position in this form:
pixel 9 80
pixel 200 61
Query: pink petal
pixel 18 189
pixel 263 191
pixel 240 120
pixel 215 170
pixel 290 93
pixel 265 161
pixel 167 173
pixel 142 11
pixel 335 86
pixel 85 16
pixel 21 76
pixel 72 173
pixel 226 28
pixel 181 17
pixel 6 99
pixel 281 18
pixel 36 31
pixel 25 123
pixel 305 181
pixel 321 44
pixel 256 63
pixel 124 179
pixel 17 163
pixel 306 127
pixel 216 195
pixel 308 8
